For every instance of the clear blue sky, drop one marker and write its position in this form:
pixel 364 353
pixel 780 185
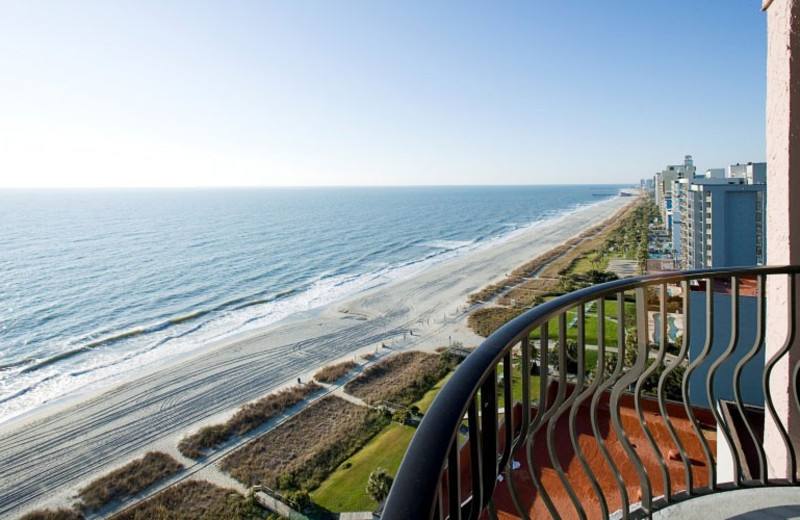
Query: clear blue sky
pixel 161 93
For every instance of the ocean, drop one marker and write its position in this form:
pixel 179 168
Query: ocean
pixel 98 284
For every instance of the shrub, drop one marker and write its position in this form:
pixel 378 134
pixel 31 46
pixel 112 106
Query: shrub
pixel 129 480
pixel 378 484
pixel 333 373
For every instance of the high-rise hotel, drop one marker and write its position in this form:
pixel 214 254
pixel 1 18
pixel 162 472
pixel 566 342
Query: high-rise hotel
pixel 716 219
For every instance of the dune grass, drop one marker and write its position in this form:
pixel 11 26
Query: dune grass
pixel 401 379
pixel 194 500
pixel 301 452
pixel 344 489
pixel 332 373
pixel 248 418
pixel 129 480
pixel 53 514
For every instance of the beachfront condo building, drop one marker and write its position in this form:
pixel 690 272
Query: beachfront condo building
pixel 722 218
pixel 665 183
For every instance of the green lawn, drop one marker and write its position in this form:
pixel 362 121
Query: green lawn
pixel 584 264
pixel 591 324
pixel 343 490
pixel 516 386
pixel 427 399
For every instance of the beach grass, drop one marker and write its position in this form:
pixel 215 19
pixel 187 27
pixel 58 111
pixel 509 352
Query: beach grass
pixel 401 379
pixel 194 500
pixel 53 514
pixel 301 452
pixel 344 489
pixel 332 373
pixel 486 320
pixel 129 480
pixel 245 420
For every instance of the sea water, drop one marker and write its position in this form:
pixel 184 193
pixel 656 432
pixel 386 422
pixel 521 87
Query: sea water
pixel 97 284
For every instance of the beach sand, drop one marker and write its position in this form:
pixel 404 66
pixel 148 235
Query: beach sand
pixel 46 457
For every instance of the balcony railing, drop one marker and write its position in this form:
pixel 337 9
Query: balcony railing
pixel 593 443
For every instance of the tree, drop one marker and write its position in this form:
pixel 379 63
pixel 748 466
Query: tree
pixel 571 356
pixel 378 484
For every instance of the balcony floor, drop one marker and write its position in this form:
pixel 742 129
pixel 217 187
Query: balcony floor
pixel 742 504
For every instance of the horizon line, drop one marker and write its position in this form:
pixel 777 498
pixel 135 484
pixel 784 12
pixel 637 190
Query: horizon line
pixel 303 186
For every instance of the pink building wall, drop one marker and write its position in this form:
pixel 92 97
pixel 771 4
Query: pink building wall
pixel 783 207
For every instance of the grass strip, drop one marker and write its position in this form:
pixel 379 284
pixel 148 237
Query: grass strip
pixel 401 379
pixel 304 450
pixel 194 500
pixel 53 514
pixel 248 418
pixel 129 480
pixel 332 373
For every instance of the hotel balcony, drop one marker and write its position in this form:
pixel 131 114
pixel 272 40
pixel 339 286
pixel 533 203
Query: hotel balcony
pixel 641 397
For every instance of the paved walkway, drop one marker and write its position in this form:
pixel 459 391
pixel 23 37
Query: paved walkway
pixel 623 268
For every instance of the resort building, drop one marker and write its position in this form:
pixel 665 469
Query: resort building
pixel 722 219
pixel 664 185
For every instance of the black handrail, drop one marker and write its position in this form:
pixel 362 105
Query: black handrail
pixel 418 489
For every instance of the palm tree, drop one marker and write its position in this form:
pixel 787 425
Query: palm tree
pixel 378 484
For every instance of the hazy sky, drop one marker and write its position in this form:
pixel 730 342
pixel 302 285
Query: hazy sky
pixel 159 93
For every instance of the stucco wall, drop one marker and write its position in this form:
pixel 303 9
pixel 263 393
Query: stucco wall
pixel 783 213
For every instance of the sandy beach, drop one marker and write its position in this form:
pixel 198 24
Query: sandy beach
pixel 47 456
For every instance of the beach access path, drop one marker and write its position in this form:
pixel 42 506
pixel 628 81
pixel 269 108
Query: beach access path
pixel 46 457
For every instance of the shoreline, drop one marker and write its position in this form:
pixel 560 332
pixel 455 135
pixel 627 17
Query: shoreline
pixel 84 437
pixel 122 373
pixel 62 389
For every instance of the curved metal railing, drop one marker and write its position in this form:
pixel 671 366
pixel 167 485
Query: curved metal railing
pixel 655 391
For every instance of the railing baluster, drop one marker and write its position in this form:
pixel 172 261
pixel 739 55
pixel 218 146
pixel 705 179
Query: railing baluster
pixel 488 448
pixel 588 392
pixel 650 370
pixel 662 380
pixel 768 372
pixel 551 425
pixel 794 382
pixel 737 378
pixel 475 461
pixel 438 512
pixel 525 422
pixel 712 470
pixel 712 371
pixel 542 416
pixel 454 481
pixel 626 380
pixel 508 411
pixel 613 377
